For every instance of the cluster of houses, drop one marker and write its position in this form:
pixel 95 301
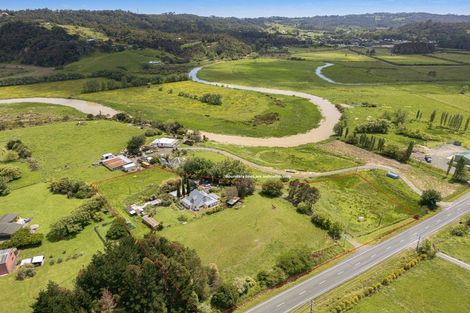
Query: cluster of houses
pixel 139 210
pixel 9 225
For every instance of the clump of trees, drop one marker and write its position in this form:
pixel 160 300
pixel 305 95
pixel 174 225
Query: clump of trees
pixel 334 229
pixel 74 223
pixel 266 118
pixel 413 48
pixel 173 128
pixel 379 126
pixel 19 147
pixel 151 274
pixel 117 230
pixel 134 144
pixel 303 196
pixel 209 98
pixel 4 189
pixel 72 188
pixel 8 173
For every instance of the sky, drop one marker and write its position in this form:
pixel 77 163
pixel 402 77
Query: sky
pixel 251 8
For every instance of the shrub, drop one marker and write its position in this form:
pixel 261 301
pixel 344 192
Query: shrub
pixel 243 284
pixel 4 189
pixel 334 229
pixel 272 188
pixel 459 231
pixel 272 277
pixel 72 188
pixel 295 261
pixel 213 99
pixel 23 239
pixel 9 173
pixel 266 118
pixel 134 144
pixel 25 271
pixel 374 127
pixel 427 249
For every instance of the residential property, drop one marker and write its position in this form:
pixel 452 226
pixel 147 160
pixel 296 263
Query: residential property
pixel 107 156
pixel 8 261
pixel 164 143
pixel 116 163
pixel 135 209
pixel 129 167
pixel 172 163
pixel 150 222
pixel 197 200
pixel 8 226
pixel 35 260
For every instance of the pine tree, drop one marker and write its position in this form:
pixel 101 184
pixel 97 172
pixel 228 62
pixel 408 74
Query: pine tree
pixel 408 151
pixel 467 124
pixel 346 133
pixel 188 186
pixel 178 190
pixel 432 117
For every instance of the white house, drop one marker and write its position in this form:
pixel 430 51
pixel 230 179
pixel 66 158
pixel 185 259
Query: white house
pixel 164 143
pixel 197 200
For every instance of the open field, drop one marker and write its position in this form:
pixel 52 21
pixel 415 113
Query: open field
pixel 45 208
pixel 128 60
pixel 246 240
pixel 8 70
pixel 434 286
pixel 298 75
pixel 67 149
pixel 303 158
pixel 381 201
pixel 456 57
pixel 414 59
pixel 455 246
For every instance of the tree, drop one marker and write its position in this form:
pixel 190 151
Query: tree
pixel 295 261
pixel 272 188
pixel 55 299
pixel 408 152
pixel 213 276
pixel 427 249
pixel 117 229
pixel 245 186
pixel 197 168
pixel 107 302
pixel 225 298
pixel 430 198
pixel 459 173
pixel 451 163
pixel 133 146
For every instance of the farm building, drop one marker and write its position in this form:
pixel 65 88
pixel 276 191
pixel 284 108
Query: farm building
pixel 129 167
pixel 150 222
pixel 135 209
pixel 233 201
pixel 116 163
pixel 164 143
pixel 7 261
pixel 107 156
pixel 197 200
pixel 393 175
pixel 35 260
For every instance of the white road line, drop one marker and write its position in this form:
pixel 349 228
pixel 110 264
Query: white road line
pixel 388 248
pixel 373 255
pixel 280 304
pixel 301 293
pixel 426 227
pixel 322 282
pixel 401 240
pixel 339 273
pixel 358 263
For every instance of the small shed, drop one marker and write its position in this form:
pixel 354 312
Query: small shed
pixel 38 260
pixel 392 175
pixel 7 261
pixel 129 167
pixel 232 201
pixel 150 222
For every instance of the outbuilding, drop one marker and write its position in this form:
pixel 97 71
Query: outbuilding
pixel 129 167
pixel 7 261
pixel 149 221
pixel 164 143
pixel 393 175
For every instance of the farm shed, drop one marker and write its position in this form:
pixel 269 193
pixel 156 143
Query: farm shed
pixel 164 143
pixel 149 221
pixel 7 261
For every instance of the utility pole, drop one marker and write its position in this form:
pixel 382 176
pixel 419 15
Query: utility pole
pixel 419 241
pixel 311 306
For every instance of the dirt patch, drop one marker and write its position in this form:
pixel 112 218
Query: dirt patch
pixel 419 176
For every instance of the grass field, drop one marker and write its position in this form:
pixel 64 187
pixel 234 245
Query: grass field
pixel 45 208
pixel 246 240
pixel 455 246
pixel 414 59
pixel 432 287
pixel 299 75
pixel 380 200
pixel 8 70
pixel 67 149
pixel 456 57
pixel 128 60
pixel 305 158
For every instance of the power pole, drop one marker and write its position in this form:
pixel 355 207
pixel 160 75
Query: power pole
pixel 311 306
pixel 419 241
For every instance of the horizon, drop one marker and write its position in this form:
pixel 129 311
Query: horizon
pixel 255 8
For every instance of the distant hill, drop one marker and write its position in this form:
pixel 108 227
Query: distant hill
pixel 366 21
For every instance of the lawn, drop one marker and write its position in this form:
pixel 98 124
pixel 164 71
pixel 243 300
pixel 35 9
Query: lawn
pixel 380 200
pixel 414 59
pixel 67 149
pixel 246 240
pixel 456 57
pixel 433 286
pixel 455 246
pixel 304 158
pixel 45 208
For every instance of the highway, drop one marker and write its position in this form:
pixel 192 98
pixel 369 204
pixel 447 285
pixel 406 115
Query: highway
pixel 361 261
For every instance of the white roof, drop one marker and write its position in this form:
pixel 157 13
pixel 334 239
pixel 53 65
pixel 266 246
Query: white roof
pixel 107 155
pixel 38 259
pixel 165 141
pixel 25 261
pixel 132 164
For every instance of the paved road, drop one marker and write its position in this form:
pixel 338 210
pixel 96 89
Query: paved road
pixel 275 171
pixel 330 114
pixel 361 261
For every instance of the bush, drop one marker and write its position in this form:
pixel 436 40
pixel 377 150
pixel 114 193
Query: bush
pixel 427 249
pixel 430 198
pixel 334 229
pixel 296 261
pixel 25 271
pixel 72 188
pixel 459 231
pixel 134 144
pixel 10 173
pixel 225 298
pixel 272 277
pixel 213 99
pixel 272 188
pixel 374 127
pixel 4 189
pixel 243 284
pixel 23 239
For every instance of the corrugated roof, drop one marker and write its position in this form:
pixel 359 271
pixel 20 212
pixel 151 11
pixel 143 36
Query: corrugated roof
pixel 4 255
pixel 9 228
pixel 8 218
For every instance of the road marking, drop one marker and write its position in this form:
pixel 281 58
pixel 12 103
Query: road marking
pixel 339 273
pixel 426 227
pixel 358 263
pixel 301 293
pixel 322 282
pixel 373 255
pixel 449 215
pixel 401 241
pixel 388 248
pixel 280 304
pixel 438 221
pixel 414 234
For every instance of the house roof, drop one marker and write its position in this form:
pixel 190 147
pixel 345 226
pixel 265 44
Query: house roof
pixel 8 218
pixel 164 141
pixel 4 255
pixel 9 228
pixel 37 259
pixel 197 199
pixel 149 221
pixel 116 162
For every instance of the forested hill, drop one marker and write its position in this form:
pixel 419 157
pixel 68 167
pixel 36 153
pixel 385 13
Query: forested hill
pixel 366 21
